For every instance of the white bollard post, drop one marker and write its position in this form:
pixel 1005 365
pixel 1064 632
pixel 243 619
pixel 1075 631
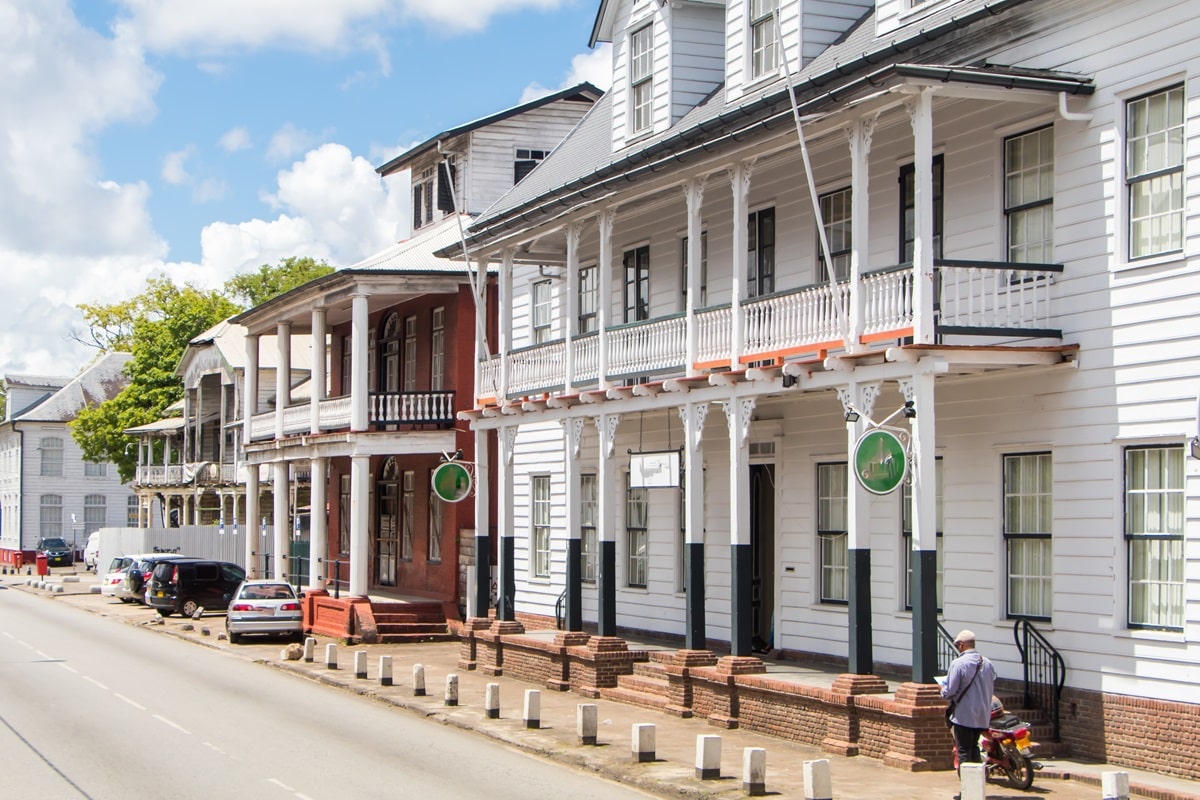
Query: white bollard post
pixel 418 680
pixel 360 664
pixel 385 670
pixel 1115 785
pixel 310 645
pixel 586 720
pixel 451 690
pixel 643 742
pixel 331 656
pixel 818 785
pixel 972 780
pixel 754 771
pixel 708 757
pixel 532 713
pixel 491 701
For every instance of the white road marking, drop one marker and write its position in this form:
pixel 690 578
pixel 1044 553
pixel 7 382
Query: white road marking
pixel 281 785
pixel 127 700
pixel 9 635
pixel 90 679
pixel 24 644
pixel 68 667
pixel 177 727
pixel 303 796
pixel 212 746
pixel 43 655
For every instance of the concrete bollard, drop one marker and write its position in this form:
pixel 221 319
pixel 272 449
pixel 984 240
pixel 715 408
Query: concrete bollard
pixel 491 701
pixel 818 784
pixel 972 779
pixel 1115 785
pixel 586 721
pixel 708 757
pixel 754 771
pixel 418 680
pixel 310 644
pixel 385 670
pixel 643 742
pixel 532 711
pixel 331 656
pixel 360 664
pixel 451 690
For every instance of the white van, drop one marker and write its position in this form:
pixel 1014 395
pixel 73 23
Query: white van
pixel 92 551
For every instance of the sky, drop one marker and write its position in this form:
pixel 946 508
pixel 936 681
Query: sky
pixel 200 139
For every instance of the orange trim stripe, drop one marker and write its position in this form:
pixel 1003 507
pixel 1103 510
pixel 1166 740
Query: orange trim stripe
pixel 899 333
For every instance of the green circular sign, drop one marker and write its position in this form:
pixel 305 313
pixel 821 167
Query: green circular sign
pixel 451 481
pixel 880 461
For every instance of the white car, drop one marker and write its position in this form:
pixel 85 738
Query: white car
pixel 264 606
pixel 115 576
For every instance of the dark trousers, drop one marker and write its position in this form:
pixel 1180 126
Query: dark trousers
pixel 966 742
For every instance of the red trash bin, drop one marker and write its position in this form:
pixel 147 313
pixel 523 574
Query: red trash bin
pixel 43 565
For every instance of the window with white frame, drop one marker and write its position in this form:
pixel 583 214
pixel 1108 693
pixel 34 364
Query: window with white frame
pixel 407 503
pixel 1154 147
pixel 641 79
pixel 908 204
pixel 95 469
pixel 436 515
pixel 836 213
pixel 541 312
pixel 95 513
pixel 410 354
pixel 637 534
pixel 132 509
pixel 1029 196
pixel 1028 521
pixel 760 263
pixel 588 520
pixel 589 300
pixel 832 532
pixel 437 350
pixel 1154 528
pixel 51 450
pixel 763 39
pixel 906 528
pixel 539 514
pixel 422 204
pixel 50 516
pixel 702 300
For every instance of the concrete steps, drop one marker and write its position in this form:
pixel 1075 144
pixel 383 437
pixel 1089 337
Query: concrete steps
pixel 647 687
pixel 399 623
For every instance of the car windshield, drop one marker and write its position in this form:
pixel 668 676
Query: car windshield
pixel 49 543
pixel 268 591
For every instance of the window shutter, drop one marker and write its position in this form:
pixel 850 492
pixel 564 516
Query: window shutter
pixel 416 209
pixel 428 186
pixel 521 169
pixel 445 197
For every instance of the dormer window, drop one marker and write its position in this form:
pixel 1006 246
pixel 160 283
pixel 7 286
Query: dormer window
pixel 526 160
pixel 763 39
pixel 422 206
pixel 641 78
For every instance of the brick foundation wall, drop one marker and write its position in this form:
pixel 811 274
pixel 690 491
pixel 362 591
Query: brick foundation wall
pixel 1157 735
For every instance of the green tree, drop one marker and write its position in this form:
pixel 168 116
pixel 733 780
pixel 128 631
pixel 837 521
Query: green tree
pixel 256 288
pixel 155 327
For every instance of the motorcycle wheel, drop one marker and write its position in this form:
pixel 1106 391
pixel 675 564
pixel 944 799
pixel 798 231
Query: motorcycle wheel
pixel 1018 769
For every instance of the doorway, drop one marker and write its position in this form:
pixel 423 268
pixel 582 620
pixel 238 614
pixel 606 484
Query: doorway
pixel 387 540
pixel 762 555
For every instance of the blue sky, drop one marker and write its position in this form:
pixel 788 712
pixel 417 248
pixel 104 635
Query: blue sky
pixel 202 139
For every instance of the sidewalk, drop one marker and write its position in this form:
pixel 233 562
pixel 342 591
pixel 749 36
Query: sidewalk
pixel 673 771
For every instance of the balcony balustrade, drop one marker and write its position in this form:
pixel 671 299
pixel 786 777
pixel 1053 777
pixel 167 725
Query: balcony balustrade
pixel 383 408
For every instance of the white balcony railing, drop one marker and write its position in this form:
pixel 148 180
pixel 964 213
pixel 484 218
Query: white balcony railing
pixel 383 408
pixel 644 348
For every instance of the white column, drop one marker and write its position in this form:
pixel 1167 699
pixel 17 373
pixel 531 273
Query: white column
pixel 282 527
pixel 360 539
pixel 283 374
pixel 359 348
pixel 250 387
pixel 921 112
pixel 505 300
pixel 481 345
pixel 738 413
pixel 573 439
pixel 606 524
pixel 860 150
pixel 506 577
pixel 252 513
pixel 739 177
pixel 318 546
pixel 694 192
pixel 571 306
pixel 320 369
pixel 604 292
pixel 483 554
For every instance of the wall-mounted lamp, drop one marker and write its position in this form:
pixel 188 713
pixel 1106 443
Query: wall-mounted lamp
pixel 1195 447
pixel 852 416
pixel 789 381
pixel 909 411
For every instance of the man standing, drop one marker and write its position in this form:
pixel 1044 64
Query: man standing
pixel 968 687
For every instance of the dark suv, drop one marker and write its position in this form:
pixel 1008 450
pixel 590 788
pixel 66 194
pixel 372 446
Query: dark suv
pixel 57 552
pixel 185 585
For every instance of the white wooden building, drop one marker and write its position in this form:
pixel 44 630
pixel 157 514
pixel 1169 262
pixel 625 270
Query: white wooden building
pixel 1010 197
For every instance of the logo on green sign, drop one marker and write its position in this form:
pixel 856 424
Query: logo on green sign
pixel 451 481
pixel 880 461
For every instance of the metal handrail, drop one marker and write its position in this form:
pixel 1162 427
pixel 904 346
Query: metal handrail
pixel 1044 671
pixel 560 611
pixel 946 651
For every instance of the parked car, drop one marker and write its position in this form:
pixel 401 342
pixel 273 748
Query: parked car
pixel 57 552
pixel 91 551
pixel 184 586
pixel 133 588
pixel 115 575
pixel 264 607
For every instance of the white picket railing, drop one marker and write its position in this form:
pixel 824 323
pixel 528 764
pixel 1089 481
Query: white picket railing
pixel 643 348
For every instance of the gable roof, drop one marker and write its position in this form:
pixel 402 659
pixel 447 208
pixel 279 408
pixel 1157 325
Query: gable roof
pixel 580 92
pixel 101 380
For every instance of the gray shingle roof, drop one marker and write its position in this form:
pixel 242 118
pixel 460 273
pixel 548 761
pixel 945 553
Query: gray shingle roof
pixel 101 380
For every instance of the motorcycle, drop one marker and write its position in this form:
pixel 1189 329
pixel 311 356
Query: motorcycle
pixel 1006 748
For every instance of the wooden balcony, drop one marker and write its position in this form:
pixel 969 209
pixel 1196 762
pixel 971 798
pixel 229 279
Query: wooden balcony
pixel 202 473
pixel 973 298
pixel 416 409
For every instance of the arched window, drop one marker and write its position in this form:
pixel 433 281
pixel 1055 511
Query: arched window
pixel 389 354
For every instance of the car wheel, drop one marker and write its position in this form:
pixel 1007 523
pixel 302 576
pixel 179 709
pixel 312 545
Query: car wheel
pixel 165 612
pixel 234 638
pixel 188 609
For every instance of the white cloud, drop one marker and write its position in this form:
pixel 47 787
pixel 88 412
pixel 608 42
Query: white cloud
pixel 595 67
pixel 289 142
pixel 174 170
pixel 235 139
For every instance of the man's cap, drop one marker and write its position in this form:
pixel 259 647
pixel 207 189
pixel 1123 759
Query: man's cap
pixel 965 636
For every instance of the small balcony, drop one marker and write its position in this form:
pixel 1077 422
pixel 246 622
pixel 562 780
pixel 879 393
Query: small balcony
pixel 385 410
pixel 201 473
pixel 999 300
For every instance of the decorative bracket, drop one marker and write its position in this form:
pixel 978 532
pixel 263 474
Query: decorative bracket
pixel 737 416
pixel 509 434
pixel 692 415
pixel 606 426
pixel 574 430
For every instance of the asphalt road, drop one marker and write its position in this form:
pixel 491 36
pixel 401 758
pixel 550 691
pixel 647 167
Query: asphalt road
pixel 96 709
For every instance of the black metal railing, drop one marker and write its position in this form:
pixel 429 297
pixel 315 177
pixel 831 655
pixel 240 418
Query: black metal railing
pixel 946 651
pixel 1045 672
pixel 560 611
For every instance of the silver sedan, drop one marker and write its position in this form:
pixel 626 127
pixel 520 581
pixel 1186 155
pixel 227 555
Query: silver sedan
pixel 266 607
